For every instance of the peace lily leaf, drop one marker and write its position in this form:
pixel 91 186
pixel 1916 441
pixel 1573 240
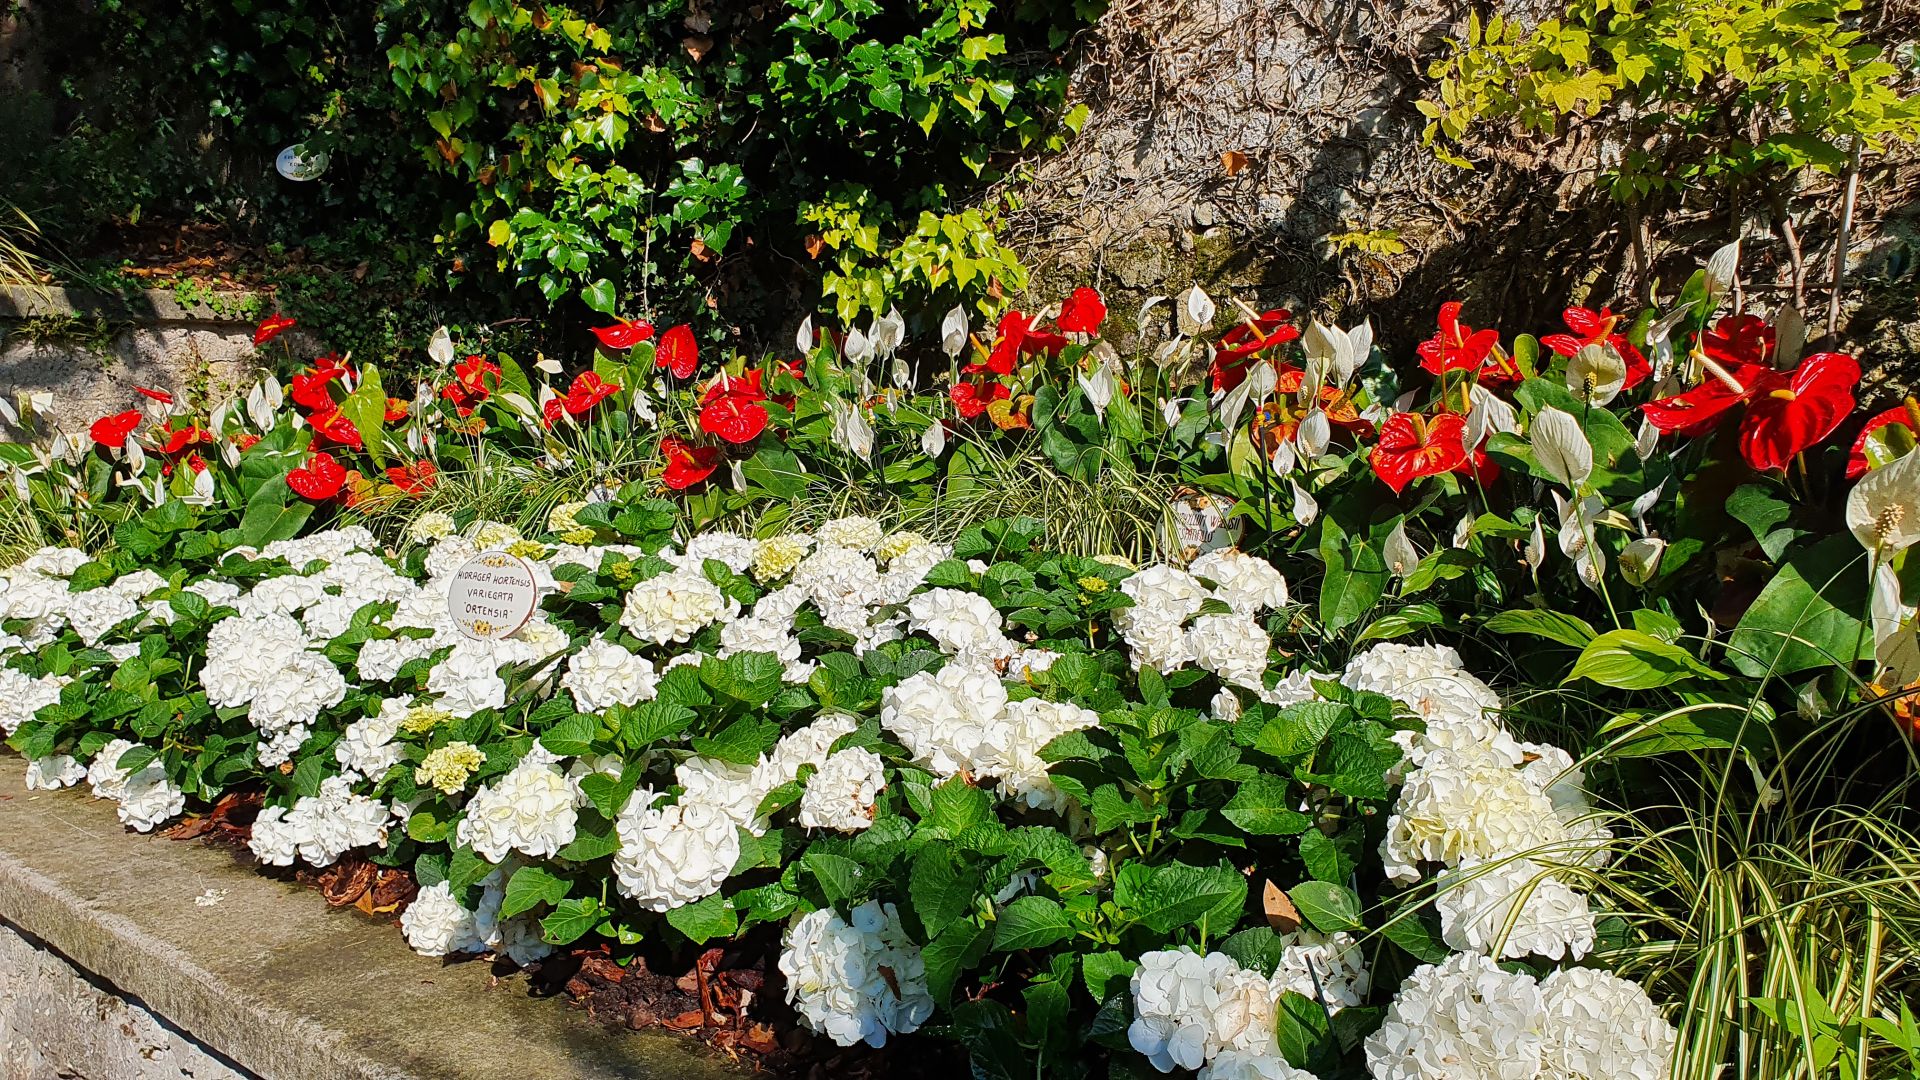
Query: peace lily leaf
pixel 1633 660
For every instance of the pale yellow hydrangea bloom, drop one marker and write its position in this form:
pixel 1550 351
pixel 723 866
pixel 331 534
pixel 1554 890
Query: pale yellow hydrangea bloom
pixel 448 768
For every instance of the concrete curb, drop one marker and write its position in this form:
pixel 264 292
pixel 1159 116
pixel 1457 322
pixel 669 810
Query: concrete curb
pixel 271 979
pixel 145 306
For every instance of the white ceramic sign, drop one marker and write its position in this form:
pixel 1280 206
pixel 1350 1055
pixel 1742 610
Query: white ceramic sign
pixel 492 596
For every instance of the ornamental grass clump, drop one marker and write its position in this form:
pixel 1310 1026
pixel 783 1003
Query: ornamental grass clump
pixel 1053 805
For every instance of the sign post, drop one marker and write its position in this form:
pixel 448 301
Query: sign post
pixel 492 596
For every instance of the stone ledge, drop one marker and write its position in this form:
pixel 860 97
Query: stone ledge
pixel 146 306
pixel 272 980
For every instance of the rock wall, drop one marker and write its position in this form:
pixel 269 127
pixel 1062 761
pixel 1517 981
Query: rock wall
pixel 1253 146
pixel 57 1024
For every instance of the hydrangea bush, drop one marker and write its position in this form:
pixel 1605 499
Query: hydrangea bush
pixel 1050 807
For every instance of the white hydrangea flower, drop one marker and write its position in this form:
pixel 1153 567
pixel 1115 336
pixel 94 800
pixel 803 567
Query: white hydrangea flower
pixel 776 556
pixel 1250 1065
pixel 673 855
pixel 95 612
pixel 1429 679
pixel 54 771
pixel 324 546
pixel 468 680
pixel 1465 803
pixel 243 653
pixel 604 674
pixel 1464 1019
pixel 490 535
pixel 288 594
pixel 1012 749
pixel 448 555
pixel 382 658
pixel 965 625
pixel 1243 1019
pixel 1328 968
pixel 1164 597
pixel 366 750
pixel 436 925
pixel 1603 1027
pixel 1233 647
pixel 1175 995
pixel 733 789
pixel 858 533
pixel 842 583
pixel 54 562
pixel 1247 583
pixel 674 607
pixel 1294 688
pixel 138 584
pixel 146 797
pixel 529 810
pixel 765 635
pixel 1476 905
pixel 430 526
pixel 946 718
pixel 855 980
pixel 841 794
pixel 736 552
pixel 291 699
pixel 320 828
pixel 22 695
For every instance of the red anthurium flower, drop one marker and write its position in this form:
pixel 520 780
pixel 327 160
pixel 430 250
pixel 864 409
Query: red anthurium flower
pixel 245 440
pixel 1894 432
pixel 397 409
pixel 687 464
pixel 1791 417
pixel 331 427
pixel 1479 468
pixel 731 408
pixel 477 375
pixel 1457 346
pixel 197 463
pixel 588 390
pixel 1083 312
pixel 271 327
pixel 623 334
pixel 678 352
pixel 1695 411
pixel 1015 338
pixel 1412 445
pixel 179 439
pixel 1593 328
pixel 309 389
pixel 1740 339
pixel 319 480
pixel 1233 355
pixel 413 479
pixel 113 430
pixel 971 400
pixel 160 396
pixel 554 409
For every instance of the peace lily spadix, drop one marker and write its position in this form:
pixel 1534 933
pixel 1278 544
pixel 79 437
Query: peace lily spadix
pixel 1561 447
pixel 1883 510
pixel 1596 374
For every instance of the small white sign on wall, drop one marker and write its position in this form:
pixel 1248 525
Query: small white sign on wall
pixel 492 596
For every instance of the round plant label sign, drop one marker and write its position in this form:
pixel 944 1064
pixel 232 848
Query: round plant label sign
pixel 493 595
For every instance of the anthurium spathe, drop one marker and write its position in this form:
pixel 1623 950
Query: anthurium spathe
pixel 624 334
pixel 1456 346
pixel 1886 436
pixel 1082 312
pixel 111 431
pixel 1237 346
pixel 1696 411
pixel 686 464
pixel 678 352
pixel 732 409
pixel 588 390
pixel 1793 416
pixel 1017 337
pixel 1412 445
pixel 320 479
pixel 271 327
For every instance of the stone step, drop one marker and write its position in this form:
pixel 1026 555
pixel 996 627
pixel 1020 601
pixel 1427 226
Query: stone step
pixel 268 978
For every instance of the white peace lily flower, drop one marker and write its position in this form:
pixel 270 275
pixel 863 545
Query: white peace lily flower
pixel 1283 459
pixel 1313 434
pixel 440 347
pixel 1596 374
pixel 1305 507
pixel 953 331
pixel 1646 440
pixel 1398 552
pixel 1883 509
pixel 803 337
pixel 1099 388
pixel 933 441
pixel 1561 447
pixel 1640 560
pixel 851 432
pixel 1193 310
pixel 888 332
pixel 858 347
